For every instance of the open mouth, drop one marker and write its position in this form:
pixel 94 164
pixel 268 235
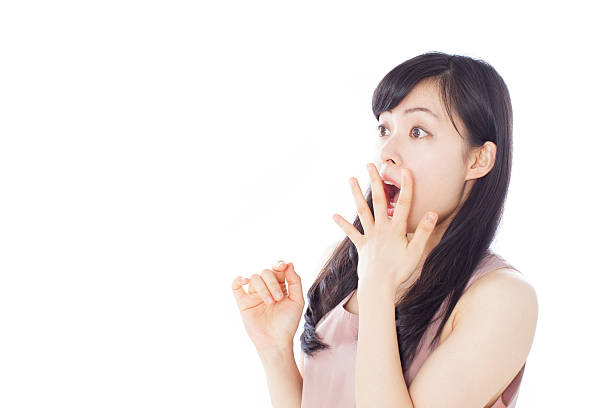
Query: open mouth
pixel 392 194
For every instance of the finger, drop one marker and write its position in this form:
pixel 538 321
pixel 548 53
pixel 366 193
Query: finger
pixel 379 199
pixel 259 287
pixel 294 282
pixel 237 289
pixel 349 229
pixel 280 265
pixel 365 215
pixel 279 271
pixel 272 283
pixel 243 299
pixel 422 234
pixel 404 202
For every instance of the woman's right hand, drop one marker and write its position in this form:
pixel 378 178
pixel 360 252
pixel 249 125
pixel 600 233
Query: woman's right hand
pixel 270 323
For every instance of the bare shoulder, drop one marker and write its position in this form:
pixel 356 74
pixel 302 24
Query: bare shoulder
pixel 491 337
pixel 503 291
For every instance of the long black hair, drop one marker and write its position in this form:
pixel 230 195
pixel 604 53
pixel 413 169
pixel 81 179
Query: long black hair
pixel 472 90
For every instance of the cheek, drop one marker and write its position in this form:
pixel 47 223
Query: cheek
pixel 435 189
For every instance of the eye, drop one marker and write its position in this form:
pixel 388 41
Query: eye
pixel 416 127
pixel 382 127
pixel 417 135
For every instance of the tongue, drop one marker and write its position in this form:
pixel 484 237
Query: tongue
pixel 395 197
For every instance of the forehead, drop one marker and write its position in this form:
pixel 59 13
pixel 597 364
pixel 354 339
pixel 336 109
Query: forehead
pixel 425 94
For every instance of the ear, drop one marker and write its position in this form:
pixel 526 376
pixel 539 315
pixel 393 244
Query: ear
pixel 481 160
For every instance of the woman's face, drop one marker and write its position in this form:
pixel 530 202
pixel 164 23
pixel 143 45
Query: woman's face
pixel 428 145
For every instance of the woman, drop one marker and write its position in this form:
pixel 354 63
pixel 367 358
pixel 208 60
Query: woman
pixel 407 311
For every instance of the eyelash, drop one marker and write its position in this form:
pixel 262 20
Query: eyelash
pixel 415 127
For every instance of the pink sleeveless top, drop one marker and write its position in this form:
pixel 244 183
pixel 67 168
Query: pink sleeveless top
pixel 329 376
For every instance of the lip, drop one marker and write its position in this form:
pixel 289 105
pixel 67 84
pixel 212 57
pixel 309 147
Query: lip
pixel 391 180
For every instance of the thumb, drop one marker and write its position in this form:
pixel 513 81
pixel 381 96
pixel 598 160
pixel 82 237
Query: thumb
pixel 294 284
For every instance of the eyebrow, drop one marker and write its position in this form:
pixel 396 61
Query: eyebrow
pixel 420 109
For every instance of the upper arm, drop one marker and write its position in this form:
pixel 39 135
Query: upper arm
pixel 487 347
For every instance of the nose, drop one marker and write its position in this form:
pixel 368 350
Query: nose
pixel 388 154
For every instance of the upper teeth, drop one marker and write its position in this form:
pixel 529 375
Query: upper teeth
pixel 388 182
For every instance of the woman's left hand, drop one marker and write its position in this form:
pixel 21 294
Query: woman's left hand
pixel 386 256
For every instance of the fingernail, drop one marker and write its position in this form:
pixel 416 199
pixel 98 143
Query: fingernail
pixel 278 295
pixel 431 217
pixel 279 264
pixel 269 300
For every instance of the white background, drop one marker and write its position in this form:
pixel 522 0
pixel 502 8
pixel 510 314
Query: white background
pixel 151 151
